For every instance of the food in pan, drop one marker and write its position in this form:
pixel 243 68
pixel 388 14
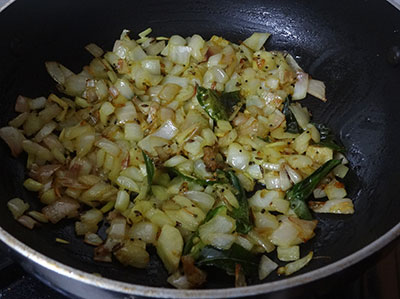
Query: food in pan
pixel 199 148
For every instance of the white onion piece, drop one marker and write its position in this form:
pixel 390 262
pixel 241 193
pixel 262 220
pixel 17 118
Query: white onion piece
pixel 75 85
pixel 333 206
pixel 152 66
pixel 19 120
pixel 167 131
pixel 271 166
pixel 301 114
pixel 54 70
pixel 214 60
pixel 174 161
pixel 137 54
pixel 196 43
pixel 45 131
pixel 124 88
pixel 179 281
pixel 183 82
pixel 200 169
pixel 27 221
pixel 17 207
pixel 202 199
pixel 13 138
pixel 119 49
pixel 179 54
pixel 256 40
pixel 127 113
pixel 292 267
pixel 301 86
pixel 155 48
pixel 266 267
pixel 340 156
pixel 293 175
pixel 109 146
pixel 340 171
pixel 272 182
pixel 94 49
pixel 37 103
pixel 255 171
pixel 319 193
pixel 219 75
pixel 177 40
pixel 293 63
pixel 285 182
pixel 57 71
pixel 316 88
pixel 150 142
pixel 237 157
pixel 22 104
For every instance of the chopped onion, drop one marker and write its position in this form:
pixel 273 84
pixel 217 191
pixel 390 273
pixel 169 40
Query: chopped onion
pixel 93 239
pixel 57 71
pixel 266 267
pixel 340 171
pixel 238 157
pixel 301 86
pixel 287 254
pixel 61 208
pixel 13 138
pixel 256 40
pixel 285 183
pixel 17 207
pixel 45 131
pixel 179 54
pixel 316 88
pixel 94 49
pixel 196 44
pixel 126 113
pixel 292 267
pixel 183 82
pixel 301 114
pixel 167 131
pixel 179 281
pixel 294 176
pixel 37 103
pixel 124 88
pixel 27 221
pixel 333 206
pixel 22 104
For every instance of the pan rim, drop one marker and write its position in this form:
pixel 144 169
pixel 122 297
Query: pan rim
pixel 140 290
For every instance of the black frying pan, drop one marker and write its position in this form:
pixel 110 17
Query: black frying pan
pixel 344 43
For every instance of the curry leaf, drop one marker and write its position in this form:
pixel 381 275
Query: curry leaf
pixel 291 123
pixel 227 259
pixel 328 138
pixel 218 106
pixel 150 170
pixel 300 192
pixel 193 248
pixel 241 214
pixel 190 178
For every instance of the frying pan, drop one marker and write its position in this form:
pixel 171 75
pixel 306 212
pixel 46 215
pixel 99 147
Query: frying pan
pixel 344 43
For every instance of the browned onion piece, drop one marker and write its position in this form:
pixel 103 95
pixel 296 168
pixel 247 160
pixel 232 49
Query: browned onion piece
pixel 27 221
pixel 13 138
pixel 22 104
pixel 43 173
pixel 194 275
pixel 64 207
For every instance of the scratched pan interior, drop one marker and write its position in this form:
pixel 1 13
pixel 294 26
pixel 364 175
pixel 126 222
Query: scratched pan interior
pixel 343 43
